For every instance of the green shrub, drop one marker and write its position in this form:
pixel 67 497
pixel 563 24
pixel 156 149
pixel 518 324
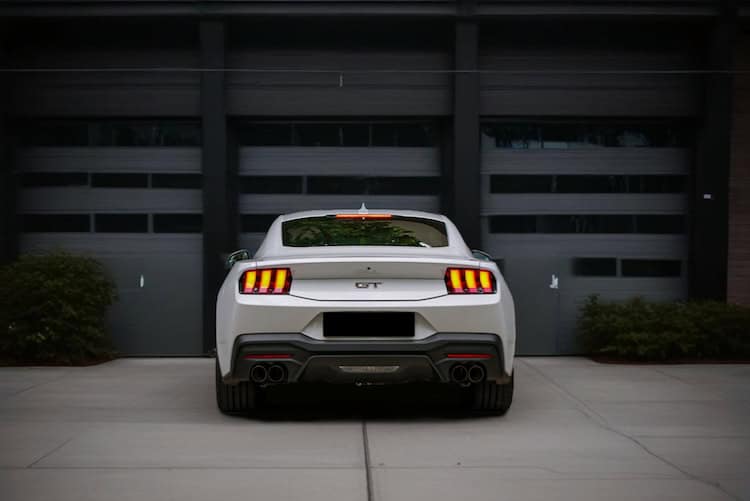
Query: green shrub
pixel 52 309
pixel 641 330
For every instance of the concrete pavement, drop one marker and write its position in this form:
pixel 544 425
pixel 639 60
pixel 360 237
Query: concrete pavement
pixel 148 429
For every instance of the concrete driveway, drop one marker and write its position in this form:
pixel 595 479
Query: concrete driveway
pixel 148 429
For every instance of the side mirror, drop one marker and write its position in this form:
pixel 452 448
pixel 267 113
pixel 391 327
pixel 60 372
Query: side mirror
pixel 239 255
pixel 481 255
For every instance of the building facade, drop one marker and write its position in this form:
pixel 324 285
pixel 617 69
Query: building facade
pixel 590 147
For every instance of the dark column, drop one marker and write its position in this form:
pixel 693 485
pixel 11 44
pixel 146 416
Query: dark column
pixel 465 165
pixel 709 203
pixel 8 233
pixel 219 235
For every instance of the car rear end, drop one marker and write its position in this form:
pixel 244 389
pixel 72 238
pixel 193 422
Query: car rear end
pixel 365 314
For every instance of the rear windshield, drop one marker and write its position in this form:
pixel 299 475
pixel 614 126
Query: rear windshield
pixel 369 230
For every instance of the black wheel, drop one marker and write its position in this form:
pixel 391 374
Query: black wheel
pixel 234 398
pixel 492 398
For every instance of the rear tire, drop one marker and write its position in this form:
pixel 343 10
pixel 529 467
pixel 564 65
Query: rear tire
pixel 489 397
pixel 234 399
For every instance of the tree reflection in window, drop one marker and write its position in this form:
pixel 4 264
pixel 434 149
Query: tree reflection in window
pixel 331 231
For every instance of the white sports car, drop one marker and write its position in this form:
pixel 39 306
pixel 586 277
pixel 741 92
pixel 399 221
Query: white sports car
pixel 364 297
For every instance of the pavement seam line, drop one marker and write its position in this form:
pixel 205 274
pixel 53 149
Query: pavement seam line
pixel 582 406
pixel 37 385
pixel 366 450
pixel 46 455
pixel 603 423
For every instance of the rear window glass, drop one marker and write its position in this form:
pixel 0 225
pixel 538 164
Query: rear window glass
pixel 352 230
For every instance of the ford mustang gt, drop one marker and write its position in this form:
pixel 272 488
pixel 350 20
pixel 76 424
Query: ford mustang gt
pixel 364 297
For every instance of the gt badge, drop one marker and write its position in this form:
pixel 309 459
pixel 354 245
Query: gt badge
pixel 366 285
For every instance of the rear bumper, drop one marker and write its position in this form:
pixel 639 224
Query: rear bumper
pixel 366 361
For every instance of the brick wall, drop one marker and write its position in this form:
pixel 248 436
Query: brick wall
pixel 738 279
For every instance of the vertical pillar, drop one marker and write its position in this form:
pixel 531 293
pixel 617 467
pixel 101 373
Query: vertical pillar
pixel 8 227
pixel 219 236
pixel 709 203
pixel 466 153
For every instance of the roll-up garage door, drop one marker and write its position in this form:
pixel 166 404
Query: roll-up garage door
pixel 295 166
pixel 127 193
pixel 329 82
pixel 572 208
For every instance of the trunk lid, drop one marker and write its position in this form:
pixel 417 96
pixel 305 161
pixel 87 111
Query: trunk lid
pixel 390 278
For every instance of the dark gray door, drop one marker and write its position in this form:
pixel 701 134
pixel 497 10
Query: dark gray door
pixel 158 307
pixel 138 211
pixel 534 283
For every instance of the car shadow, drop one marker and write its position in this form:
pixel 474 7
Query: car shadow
pixel 352 403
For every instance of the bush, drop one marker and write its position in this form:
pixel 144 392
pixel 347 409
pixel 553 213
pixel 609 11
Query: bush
pixel 52 309
pixel 640 330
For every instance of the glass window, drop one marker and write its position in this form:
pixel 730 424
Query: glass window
pixel 657 184
pixel 514 136
pixel 119 180
pixel 595 266
pixel 265 134
pixel 356 185
pixel 355 135
pixel 55 223
pixel 338 134
pixel 651 268
pixel 512 183
pixel 178 223
pixel 384 135
pixel 660 224
pixel 55 134
pixel 513 224
pixel 121 223
pixel 177 181
pixel 576 135
pixel 271 184
pixel 49 179
pixel 387 231
pixel 135 133
pixel 588 223
pixel 111 133
pixel 415 135
pixel 560 136
pixel 178 134
pixel 317 134
pixel 590 184
pixel 256 223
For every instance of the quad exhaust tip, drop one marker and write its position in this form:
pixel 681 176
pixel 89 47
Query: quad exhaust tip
pixel 476 374
pixel 261 374
pixel 459 374
pixel 276 374
pixel 468 374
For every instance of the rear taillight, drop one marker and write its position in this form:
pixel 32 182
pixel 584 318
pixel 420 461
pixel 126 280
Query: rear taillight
pixel 266 281
pixel 470 281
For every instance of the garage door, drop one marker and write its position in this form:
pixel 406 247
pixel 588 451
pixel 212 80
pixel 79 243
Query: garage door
pixel 293 166
pixel 127 193
pixel 573 208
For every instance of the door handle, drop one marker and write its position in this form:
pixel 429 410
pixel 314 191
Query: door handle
pixel 555 282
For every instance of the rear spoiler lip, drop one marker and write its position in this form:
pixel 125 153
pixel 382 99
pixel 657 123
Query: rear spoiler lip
pixel 468 262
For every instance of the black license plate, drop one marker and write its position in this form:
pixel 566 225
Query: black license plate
pixel 368 324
